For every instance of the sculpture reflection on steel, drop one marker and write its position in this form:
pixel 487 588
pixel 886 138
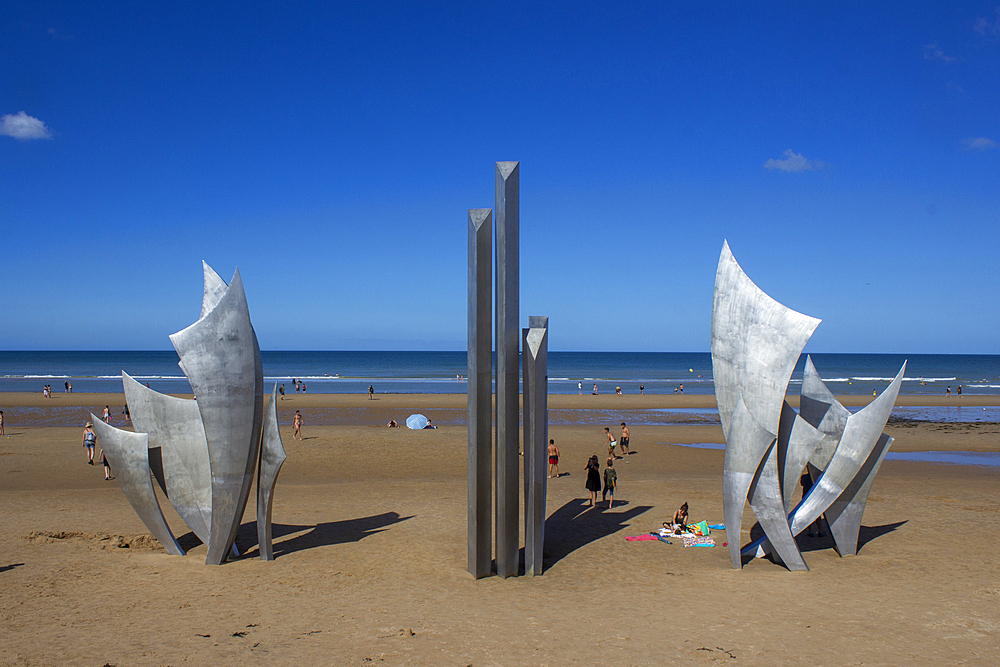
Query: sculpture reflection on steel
pixel 756 343
pixel 204 453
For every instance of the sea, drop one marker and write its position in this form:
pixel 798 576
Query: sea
pixel 395 372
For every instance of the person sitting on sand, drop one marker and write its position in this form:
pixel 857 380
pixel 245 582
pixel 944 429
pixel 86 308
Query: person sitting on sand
pixel 679 523
pixel 392 424
pixel 89 440
pixel 430 425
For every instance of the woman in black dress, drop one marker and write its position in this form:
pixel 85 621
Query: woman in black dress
pixel 593 478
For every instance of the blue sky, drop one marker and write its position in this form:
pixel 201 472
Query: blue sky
pixel 331 150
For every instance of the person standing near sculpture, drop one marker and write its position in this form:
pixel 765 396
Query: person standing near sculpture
pixel 553 455
pixel 297 426
pixel 593 479
pixel 610 482
pixel 107 415
pixel 107 466
pixel 89 441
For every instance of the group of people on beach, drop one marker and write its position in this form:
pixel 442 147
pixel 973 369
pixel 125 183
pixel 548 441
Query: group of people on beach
pixel 90 443
pixel 618 389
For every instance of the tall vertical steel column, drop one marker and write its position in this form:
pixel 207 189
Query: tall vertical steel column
pixel 536 439
pixel 507 344
pixel 480 391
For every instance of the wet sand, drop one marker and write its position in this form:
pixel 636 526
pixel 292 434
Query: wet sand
pixel 370 544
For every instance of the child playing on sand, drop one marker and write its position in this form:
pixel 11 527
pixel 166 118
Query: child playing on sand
pixel 610 482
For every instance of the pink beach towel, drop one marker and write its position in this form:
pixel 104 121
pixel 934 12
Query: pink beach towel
pixel 641 538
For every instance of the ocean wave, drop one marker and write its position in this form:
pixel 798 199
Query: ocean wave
pixel 986 386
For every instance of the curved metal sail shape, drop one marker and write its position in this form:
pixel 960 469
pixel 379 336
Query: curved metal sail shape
pixel 756 342
pixel 797 442
pixel 128 454
pixel 819 407
pixel 765 500
pixel 215 288
pixel 177 443
pixel 856 444
pixel 221 359
pixel 272 455
pixel 844 514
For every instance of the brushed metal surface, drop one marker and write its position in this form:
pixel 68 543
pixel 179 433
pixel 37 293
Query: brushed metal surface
pixel 272 455
pixel 756 342
pixel 221 359
pixel 507 377
pixel 480 392
pixel 174 427
pixel 536 389
pixel 128 455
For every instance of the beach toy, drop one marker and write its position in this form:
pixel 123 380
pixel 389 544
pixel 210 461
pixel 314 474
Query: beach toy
pixel 416 422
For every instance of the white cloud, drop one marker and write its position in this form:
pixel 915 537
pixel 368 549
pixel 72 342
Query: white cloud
pixel 986 27
pixel 22 126
pixel 978 144
pixel 934 52
pixel 793 162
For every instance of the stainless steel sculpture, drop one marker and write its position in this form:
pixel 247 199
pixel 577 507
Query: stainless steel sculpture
pixel 536 438
pixel 205 452
pixel 272 455
pixel 755 344
pixel 480 393
pixel 127 453
pixel 507 343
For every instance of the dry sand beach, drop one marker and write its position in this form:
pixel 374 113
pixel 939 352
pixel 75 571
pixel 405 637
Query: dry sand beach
pixel 370 530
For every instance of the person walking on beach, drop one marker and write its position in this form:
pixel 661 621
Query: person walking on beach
pixel 66 387
pixel 297 426
pixel 642 389
pixel 89 440
pixel 960 391
pixel 71 387
pixel 610 442
pixel 947 392
pixel 126 414
pixel 281 390
pixel 107 415
pixel 303 387
pixel 593 479
pixel 553 456
pixel 371 393
pixel 1 422
pixel 297 386
pixel 579 387
pixel 107 466
pixel 595 390
pixel 623 442
pixel 682 389
pixel 610 482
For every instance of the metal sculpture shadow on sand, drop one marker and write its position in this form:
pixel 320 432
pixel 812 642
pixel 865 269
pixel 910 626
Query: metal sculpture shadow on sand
pixel 756 343
pixel 204 453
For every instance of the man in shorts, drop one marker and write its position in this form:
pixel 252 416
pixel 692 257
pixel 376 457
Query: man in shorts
pixel 553 459
pixel 623 442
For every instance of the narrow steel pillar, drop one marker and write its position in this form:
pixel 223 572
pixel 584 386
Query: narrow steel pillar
pixel 536 439
pixel 507 306
pixel 480 391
